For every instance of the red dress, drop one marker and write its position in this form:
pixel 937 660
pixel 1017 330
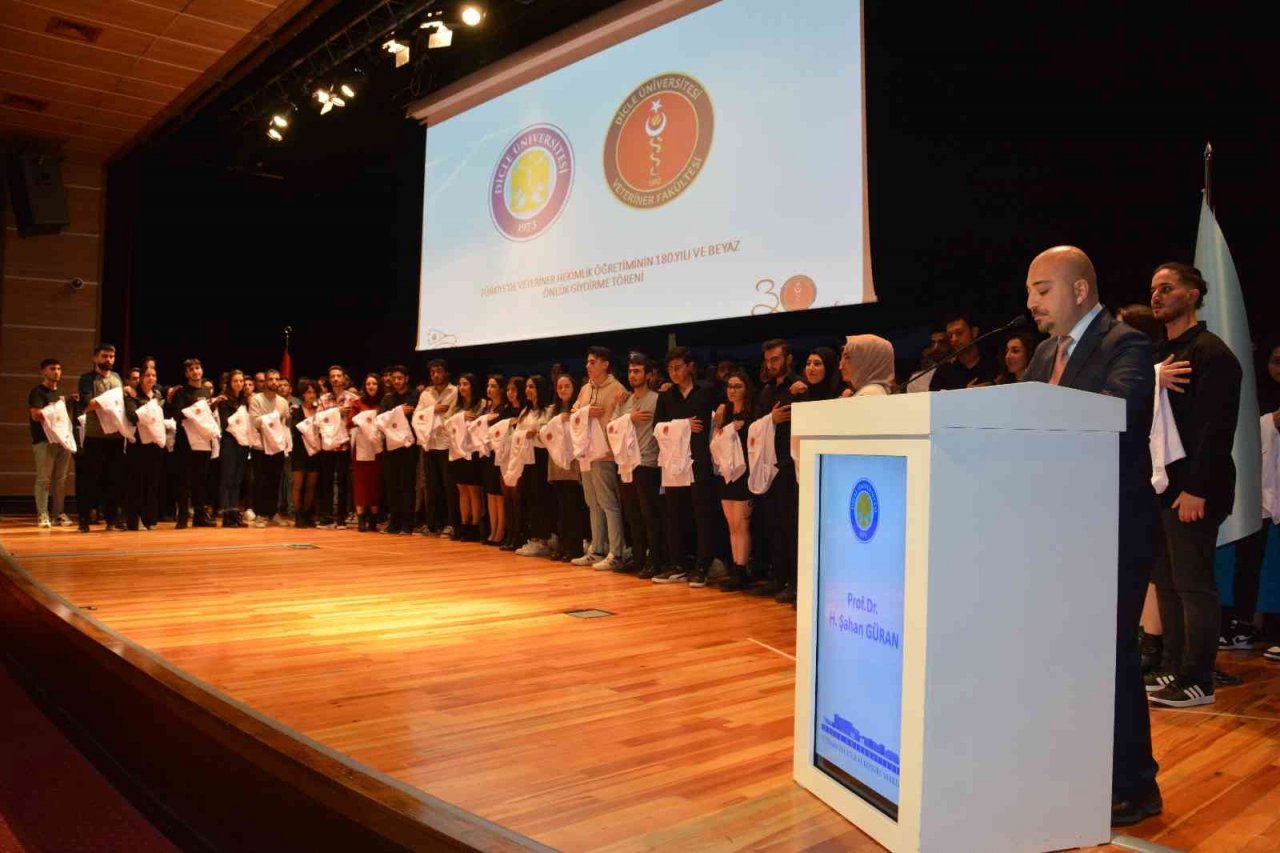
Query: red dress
pixel 366 477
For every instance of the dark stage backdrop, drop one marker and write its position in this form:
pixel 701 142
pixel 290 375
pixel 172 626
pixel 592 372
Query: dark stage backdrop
pixel 992 134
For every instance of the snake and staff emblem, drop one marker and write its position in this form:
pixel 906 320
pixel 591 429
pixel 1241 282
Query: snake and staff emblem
pixel 658 141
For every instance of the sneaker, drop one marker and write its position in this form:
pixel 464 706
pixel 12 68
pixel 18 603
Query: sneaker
pixel 587 559
pixel 64 521
pixel 533 549
pixel 717 570
pixel 1226 679
pixel 279 520
pixel 342 524
pixel 248 515
pixel 447 533
pixel 44 522
pixel 84 527
pixel 647 573
pixel 671 576
pixel 628 567
pixel 697 579
pixel 1272 653
pixel 608 564
pixel 259 523
pixel 786 595
pixel 325 525
pixel 1239 635
pixel 554 542
pixel 1183 694
pixel 1158 679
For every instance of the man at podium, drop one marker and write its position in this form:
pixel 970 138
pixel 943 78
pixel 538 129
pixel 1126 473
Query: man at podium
pixel 1090 350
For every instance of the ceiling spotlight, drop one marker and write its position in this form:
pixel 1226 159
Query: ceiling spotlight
pixel 328 99
pixel 399 50
pixel 274 135
pixel 351 83
pixel 472 15
pixel 441 36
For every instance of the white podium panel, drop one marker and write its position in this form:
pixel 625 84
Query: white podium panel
pixel 1007 542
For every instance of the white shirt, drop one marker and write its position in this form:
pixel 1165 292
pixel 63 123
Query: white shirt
pixel 366 438
pixel 1078 329
pixel 762 456
pixel 589 441
pixel 625 446
pixel 726 452
pixel 332 428
pixel 57 425
pixel 395 427
pixel 1165 442
pixel 151 423
pixel 310 435
pixel 674 457
pixel 438 438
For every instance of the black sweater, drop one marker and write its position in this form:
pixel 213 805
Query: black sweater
pixel 1206 418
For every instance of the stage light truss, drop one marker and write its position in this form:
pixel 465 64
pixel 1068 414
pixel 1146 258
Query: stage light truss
pixel 319 69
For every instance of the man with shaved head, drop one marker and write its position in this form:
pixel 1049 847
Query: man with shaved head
pixel 1090 350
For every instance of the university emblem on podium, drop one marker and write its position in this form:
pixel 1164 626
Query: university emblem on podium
pixel 864 510
pixel 658 140
pixel 531 182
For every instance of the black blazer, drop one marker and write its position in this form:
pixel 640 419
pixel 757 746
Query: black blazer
pixel 1114 359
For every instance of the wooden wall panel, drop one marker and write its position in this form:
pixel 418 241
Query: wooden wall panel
pixel 76 94
pixel 23 348
pixel 13 405
pixel 44 302
pixel 124 14
pixel 85 207
pixel 243 14
pixel 63 256
pixel 83 174
pixel 54 126
pixel 15 447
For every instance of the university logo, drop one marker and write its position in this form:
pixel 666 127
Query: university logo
pixel 658 140
pixel 864 510
pixel 531 182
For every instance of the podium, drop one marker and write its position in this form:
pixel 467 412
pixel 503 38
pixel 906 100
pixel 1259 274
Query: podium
pixel 955 654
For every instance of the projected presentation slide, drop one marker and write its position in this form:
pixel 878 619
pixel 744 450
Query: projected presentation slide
pixel 709 168
pixel 861 570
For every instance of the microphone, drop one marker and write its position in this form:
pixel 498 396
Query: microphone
pixel 1016 323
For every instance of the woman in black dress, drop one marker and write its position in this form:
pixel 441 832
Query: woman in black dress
pixel 306 468
pixel 735 497
pixel 466 472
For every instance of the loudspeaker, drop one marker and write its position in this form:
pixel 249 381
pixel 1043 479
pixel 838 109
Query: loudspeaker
pixel 39 198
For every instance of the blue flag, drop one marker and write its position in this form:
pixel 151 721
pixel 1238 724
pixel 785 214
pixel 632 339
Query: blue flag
pixel 1224 313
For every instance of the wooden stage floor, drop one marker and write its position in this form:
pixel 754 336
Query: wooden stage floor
pixel 454 669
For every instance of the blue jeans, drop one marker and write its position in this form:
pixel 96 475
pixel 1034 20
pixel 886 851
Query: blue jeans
pixel 230 473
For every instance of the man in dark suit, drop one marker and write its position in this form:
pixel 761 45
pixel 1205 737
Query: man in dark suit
pixel 1090 350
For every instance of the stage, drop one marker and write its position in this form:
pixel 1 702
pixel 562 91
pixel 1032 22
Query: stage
pixel 455 671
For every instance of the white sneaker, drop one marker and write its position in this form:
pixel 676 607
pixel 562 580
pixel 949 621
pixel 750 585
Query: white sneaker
pixel 44 522
pixel 534 549
pixel 587 559
pixel 553 544
pixel 248 515
pixel 608 564
pixel 447 533
pixel 520 552
pixel 259 523
pixel 1272 653
pixel 65 521
pixel 279 520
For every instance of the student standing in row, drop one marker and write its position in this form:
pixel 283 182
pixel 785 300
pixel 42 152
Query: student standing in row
pixel 366 471
pixel 234 455
pixel 144 461
pixel 305 465
pixel 53 461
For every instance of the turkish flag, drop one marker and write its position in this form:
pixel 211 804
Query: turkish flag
pixel 286 366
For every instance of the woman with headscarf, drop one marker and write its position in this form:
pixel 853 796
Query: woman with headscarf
pixel 820 377
pixel 867 366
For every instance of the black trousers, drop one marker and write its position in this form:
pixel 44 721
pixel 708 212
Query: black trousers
pixel 642 507
pixel 144 471
pixel 1244 584
pixel 1133 769
pixel 1187 593
pixel 442 494
pixel 532 512
pixel 694 506
pixel 194 468
pixel 100 477
pixel 780 507
pixel 335 485
pixel 399 467
pixel 571 515
pixel 266 484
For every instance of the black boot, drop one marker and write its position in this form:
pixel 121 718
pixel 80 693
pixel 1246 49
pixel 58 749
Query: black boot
pixel 1152 647
pixel 360 524
pixel 736 580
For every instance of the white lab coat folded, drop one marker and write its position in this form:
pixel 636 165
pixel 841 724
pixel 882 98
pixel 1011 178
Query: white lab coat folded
pixel 57 425
pixel 424 425
pixel 276 437
pixel 500 441
pixel 110 411
pixel 331 427
pixel 674 456
pixel 170 434
pixel 395 428
pixel 151 423
pixel 367 438
pixel 310 435
pixel 1166 444
pixel 555 438
pixel 479 429
pixel 200 425
pixel 239 427
pixel 726 453
pixel 1270 469
pixel 460 444
pixel 519 455
pixel 762 456
pixel 589 441
pixel 625 446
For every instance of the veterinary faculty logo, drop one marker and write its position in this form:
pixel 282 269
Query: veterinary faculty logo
pixel 658 140
pixel 864 510
pixel 531 182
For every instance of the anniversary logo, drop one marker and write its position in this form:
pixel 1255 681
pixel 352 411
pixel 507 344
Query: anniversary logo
pixel 658 140
pixel 531 182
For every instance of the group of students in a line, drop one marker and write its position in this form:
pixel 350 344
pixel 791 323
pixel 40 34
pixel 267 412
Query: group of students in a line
pixel 656 477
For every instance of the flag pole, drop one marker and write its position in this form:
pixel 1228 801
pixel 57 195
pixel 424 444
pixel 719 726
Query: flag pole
pixel 288 330
pixel 1208 174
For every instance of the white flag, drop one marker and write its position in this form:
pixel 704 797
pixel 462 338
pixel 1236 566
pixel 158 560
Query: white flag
pixel 1225 316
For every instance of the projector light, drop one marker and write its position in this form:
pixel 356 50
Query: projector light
pixel 441 37
pixel 399 50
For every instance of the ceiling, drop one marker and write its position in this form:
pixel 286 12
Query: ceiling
pixel 93 76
